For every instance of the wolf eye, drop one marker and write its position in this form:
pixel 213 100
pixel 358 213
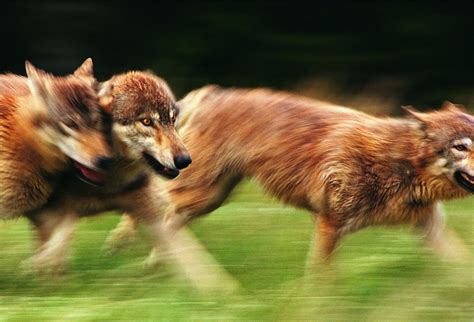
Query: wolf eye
pixel 71 124
pixel 146 121
pixel 460 147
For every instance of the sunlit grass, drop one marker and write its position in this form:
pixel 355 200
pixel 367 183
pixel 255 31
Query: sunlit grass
pixel 377 274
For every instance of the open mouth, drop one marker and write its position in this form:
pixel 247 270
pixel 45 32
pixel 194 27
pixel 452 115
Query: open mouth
pixel 465 180
pixel 89 175
pixel 159 168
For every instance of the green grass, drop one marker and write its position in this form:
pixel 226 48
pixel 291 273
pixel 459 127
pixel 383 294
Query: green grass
pixel 377 274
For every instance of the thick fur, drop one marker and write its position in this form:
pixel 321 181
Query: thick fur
pixel 133 97
pixel 12 84
pixel 36 141
pixel 350 169
pixel 130 184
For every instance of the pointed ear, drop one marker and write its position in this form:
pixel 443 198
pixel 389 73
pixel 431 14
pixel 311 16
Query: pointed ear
pixel 422 119
pixel 448 106
pixel 419 116
pixel 36 80
pixel 86 73
pixel 86 69
pixel 105 96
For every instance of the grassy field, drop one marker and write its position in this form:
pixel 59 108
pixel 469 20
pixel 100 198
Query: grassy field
pixel 378 274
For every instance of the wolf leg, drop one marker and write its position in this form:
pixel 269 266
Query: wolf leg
pixel 171 223
pixel 43 230
pixel 177 245
pixel 190 259
pixel 187 201
pixel 123 235
pixel 440 238
pixel 55 232
pixel 324 243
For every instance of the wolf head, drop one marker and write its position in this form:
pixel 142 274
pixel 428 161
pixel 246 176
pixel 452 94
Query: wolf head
pixel 449 133
pixel 143 110
pixel 68 117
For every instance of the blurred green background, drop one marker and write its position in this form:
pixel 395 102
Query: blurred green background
pixel 383 54
pixel 378 274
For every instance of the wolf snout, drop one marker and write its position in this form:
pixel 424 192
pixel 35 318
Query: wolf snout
pixel 103 162
pixel 182 161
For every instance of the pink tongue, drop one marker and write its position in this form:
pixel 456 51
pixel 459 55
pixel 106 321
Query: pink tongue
pixel 90 174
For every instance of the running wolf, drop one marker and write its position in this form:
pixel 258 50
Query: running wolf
pixel 349 169
pixel 144 141
pixel 46 123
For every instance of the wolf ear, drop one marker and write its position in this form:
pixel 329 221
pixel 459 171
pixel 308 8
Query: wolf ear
pixel 36 80
pixel 105 96
pixel 86 69
pixel 419 116
pixel 422 119
pixel 448 106
pixel 86 72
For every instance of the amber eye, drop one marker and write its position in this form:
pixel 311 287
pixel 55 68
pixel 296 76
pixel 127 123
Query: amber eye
pixel 146 121
pixel 460 147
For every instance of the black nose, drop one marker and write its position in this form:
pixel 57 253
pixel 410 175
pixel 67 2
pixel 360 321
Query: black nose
pixel 182 161
pixel 104 162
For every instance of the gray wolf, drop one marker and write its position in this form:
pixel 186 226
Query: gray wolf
pixel 349 169
pixel 144 141
pixel 46 124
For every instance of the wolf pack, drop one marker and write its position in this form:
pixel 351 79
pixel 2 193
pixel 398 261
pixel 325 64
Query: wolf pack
pixel 73 146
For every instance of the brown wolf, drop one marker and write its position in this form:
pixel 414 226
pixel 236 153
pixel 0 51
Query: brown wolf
pixel 144 140
pixel 349 169
pixel 42 129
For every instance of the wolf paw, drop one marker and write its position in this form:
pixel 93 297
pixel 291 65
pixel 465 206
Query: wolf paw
pixel 455 253
pixel 450 248
pixel 153 261
pixel 118 240
pixel 44 266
